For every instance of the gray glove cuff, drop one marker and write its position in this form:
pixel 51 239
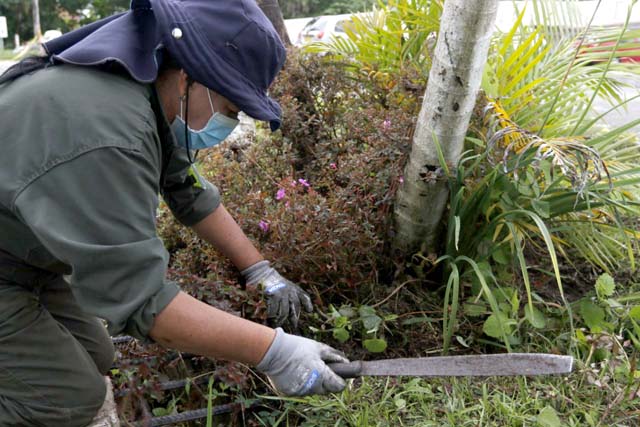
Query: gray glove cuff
pixel 272 352
pixel 257 272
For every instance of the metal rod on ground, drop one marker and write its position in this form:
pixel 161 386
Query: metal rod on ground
pixel 138 361
pixel 191 415
pixel 169 385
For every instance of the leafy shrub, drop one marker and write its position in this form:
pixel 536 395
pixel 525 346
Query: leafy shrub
pixel 315 198
pixel 390 46
pixel 319 203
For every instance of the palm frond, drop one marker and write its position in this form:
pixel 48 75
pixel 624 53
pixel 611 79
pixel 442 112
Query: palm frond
pixel 547 75
pixel 391 38
pixel 578 162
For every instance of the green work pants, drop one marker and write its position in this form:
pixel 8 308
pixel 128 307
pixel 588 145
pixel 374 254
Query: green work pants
pixel 53 355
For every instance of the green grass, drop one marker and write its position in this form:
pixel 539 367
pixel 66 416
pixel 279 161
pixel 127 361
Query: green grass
pixel 603 390
pixel 579 399
pixel 520 401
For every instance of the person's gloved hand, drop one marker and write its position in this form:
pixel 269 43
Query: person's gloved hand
pixel 296 366
pixel 284 299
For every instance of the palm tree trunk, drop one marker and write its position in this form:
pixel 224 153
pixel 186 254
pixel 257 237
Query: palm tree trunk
pixel 37 31
pixel 271 8
pixel 460 56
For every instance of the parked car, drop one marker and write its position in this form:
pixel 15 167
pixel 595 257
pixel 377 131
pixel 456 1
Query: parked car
pixel 627 52
pixel 323 28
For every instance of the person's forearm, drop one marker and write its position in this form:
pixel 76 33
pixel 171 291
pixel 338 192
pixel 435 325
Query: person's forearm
pixel 192 326
pixel 221 230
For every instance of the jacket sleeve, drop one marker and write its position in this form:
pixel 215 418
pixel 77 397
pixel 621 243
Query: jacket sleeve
pixel 96 213
pixel 190 197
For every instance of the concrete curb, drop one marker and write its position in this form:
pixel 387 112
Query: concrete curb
pixel 108 414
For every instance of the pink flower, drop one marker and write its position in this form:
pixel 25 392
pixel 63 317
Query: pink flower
pixel 264 226
pixel 401 180
pixel 333 166
pixel 293 183
pixel 386 125
pixel 281 194
pixel 304 182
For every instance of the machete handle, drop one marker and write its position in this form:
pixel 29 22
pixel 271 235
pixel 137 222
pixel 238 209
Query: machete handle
pixel 346 370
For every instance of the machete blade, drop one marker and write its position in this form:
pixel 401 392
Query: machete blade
pixel 460 366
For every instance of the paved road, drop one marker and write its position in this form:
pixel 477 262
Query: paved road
pixel 622 116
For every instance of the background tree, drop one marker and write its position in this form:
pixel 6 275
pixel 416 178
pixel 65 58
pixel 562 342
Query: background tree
pixel 98 9
pixel 18 17
pixel 308 8
pixel 66 15
pixel 35 10
pixel 271 8
pixel 63 15
pixel 454 80
pixel 339 7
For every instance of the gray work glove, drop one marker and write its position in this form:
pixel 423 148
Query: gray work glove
pixel 284 299
pixel 296 366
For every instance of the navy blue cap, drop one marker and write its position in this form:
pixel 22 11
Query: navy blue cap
pixel 230 47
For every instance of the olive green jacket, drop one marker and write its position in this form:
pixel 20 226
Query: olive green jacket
pixel 84 155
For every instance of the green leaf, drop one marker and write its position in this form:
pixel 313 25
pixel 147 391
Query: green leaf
pixel 474 309
pixel 457 231
pixel 501 255
pixel 370 320
pixel 542 208
pixel 613 303
pixel 504 294
pixel 548 418
pixel 487 293
pixel 634 313
pixel 592 314
pixel 347 311
pixel 462 341
pixel 159 412
pixel 420 319
pixel 366 310
pixel 535 317
pixel 515 302
pixel 334 313
pixel 605 286
pixel 484 269
pixel 371 323
pixel 341 334
pixel 514 340
pixel 376 345
pixel 340 322
pixel 492 328
pixel 490 82
pixel 601 354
